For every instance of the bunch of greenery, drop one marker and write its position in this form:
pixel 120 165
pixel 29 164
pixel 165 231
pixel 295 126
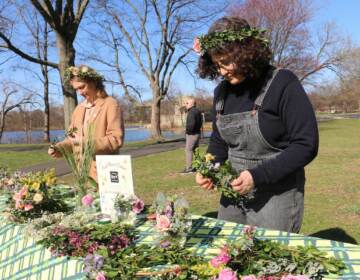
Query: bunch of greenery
pixel 248 255
pixel 80 164
pixel 217 39
pixel 79 242
pixel 220 174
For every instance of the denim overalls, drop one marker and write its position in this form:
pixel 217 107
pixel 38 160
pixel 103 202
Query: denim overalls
pixel 247 149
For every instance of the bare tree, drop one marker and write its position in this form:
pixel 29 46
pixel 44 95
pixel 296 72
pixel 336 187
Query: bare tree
pixel 64 19
pixel 290 39
pixel 11 101
pixel 158 35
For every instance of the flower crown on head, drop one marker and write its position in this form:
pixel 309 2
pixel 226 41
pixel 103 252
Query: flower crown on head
pixel 83 73
pixel 215 40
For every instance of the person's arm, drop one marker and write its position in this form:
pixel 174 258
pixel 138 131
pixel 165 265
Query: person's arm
pixel 114 138
pixel 299 119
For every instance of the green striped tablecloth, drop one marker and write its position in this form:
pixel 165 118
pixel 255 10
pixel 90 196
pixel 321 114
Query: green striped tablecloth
pixel 21 258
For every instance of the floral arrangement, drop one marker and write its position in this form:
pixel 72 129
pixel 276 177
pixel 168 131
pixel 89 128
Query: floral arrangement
pixel 220 174
pixel 172 219
pixel 82 72
pixel 126 208
pixel 32 195
pixel 217 39
pixel 254 259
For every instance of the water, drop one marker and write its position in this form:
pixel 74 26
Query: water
pixel 132 134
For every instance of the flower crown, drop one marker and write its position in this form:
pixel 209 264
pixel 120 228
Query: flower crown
pixel 215 40
pixel 83 73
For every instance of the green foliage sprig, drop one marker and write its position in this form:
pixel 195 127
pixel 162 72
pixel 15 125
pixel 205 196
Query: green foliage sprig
pixel 220 174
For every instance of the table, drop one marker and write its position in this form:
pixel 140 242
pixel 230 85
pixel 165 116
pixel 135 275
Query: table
pixel 21 258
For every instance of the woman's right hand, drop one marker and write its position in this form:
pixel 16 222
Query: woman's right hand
pixel 53 152
pixel 205 183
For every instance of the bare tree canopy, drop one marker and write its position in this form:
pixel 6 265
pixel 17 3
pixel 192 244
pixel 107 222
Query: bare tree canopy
pixel 64 18
pixel 157 36
pixel 293 46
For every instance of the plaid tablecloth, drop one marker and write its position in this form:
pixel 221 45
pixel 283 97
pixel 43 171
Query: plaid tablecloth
pixel 21 258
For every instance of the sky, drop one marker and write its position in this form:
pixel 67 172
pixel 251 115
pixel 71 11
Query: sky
pixel 345 13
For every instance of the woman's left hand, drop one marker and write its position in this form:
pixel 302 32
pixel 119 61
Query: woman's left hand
pixel 244 183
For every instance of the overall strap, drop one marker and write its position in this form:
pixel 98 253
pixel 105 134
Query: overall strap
pixel 259 100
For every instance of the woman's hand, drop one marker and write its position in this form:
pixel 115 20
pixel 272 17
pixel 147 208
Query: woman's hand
pixel 53 152
pixel 204 182
pixel 244 183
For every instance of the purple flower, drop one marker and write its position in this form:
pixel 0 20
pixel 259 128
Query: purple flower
pixel 98 261
pixel 165 244
pixel 169 211
pixel 227 274
pixel 138 205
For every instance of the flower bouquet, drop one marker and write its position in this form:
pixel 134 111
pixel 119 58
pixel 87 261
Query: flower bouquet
pixel 172 220
pixel 32 195
pixel 126 208
pixel 220 174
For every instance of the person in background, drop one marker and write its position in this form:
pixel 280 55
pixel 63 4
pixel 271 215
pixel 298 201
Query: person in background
pixel 194 122
pixel 99 110
pixel 263 123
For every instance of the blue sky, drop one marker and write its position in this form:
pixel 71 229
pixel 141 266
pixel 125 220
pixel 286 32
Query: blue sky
pixel 345 13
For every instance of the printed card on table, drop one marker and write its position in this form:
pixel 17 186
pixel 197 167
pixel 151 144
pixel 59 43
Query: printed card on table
pixel 114 177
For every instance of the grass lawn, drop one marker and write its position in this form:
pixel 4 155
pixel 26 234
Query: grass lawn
pixel 332 198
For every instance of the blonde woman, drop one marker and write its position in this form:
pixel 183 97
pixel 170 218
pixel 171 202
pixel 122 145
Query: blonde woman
pixel 99 110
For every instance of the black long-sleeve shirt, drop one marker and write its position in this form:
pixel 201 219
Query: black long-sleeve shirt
pixel 286 119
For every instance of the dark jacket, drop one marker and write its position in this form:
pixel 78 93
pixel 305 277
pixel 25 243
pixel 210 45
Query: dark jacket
pixel 193 121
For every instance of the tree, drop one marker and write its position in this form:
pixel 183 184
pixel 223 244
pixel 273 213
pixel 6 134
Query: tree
pixel 289 36
pixel 11 101
pixel 64 21
pixel 158 36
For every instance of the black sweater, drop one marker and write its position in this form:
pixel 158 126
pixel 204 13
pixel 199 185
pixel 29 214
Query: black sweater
pixel 193 121
pixel 286 119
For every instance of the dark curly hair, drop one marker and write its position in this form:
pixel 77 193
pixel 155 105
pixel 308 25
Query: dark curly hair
pixel 250 55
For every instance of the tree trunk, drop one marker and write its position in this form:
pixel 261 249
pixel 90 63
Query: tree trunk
pixel 2 125
pixel 155 119
pixel 46 137
pixel 66 59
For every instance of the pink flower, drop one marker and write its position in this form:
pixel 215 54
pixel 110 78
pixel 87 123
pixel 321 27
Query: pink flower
pixel 219 260
pixel 249 230
pixel 295 277
pixel 28 207
pixel 138 205
pixel 87 200
pixel 196 46
pixel 23 191
pixel 101 276
pixel 224 250
pixel 249 277
pixel 227 274
pixel 162 222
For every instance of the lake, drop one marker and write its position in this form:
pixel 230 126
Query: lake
pixel 132 134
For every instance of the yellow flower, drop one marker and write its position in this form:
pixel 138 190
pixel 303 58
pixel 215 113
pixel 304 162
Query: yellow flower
pixel 38 197
pixel 50 181
pixel 74 70
pixel 84 69
pixel 35 186
pixel 209 157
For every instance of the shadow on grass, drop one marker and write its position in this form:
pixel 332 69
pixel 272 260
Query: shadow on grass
pixel 211 214
pixel 336 234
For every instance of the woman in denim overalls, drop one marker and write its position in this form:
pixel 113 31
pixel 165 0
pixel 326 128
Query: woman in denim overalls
pixel 264 124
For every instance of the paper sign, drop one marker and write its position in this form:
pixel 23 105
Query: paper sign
pixel 114 177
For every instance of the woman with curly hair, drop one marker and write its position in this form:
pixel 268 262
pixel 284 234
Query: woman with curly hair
pixel 98 110
pixel 263 124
